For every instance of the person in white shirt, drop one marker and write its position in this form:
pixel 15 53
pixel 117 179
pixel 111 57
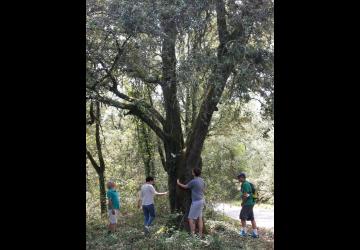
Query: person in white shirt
pixel 146 200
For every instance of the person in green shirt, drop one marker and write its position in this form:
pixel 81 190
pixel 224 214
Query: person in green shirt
pixel 247 205
pixel 113 205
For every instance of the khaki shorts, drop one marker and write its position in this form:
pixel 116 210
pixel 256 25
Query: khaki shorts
pixel 113 217
pixel 196 209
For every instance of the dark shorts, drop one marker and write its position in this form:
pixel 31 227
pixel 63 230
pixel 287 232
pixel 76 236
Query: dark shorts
pixel 247 213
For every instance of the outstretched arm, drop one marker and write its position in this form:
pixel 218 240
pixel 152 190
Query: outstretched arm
pixel 164 193
pixel 156 192
pixel 181 185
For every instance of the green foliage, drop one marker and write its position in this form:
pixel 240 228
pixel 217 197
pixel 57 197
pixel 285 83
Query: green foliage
pixel 241 132
pixel 239 147
pixel 110 23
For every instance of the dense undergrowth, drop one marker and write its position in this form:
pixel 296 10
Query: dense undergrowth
pixel 222 233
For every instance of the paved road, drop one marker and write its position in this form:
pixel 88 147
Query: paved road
pixel 264 217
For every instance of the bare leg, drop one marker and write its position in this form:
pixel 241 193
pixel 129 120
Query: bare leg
pixel 243 223
pixel 253 223
pixel 112 227
pixel 192 226
pixel 200 224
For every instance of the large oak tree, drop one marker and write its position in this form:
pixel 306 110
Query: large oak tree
pixel 192 55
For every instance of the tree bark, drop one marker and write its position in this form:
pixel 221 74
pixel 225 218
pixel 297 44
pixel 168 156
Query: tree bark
pixel 174 143
pixel 187 110
pixel 99 167
pixel 191 158
pixel 220 74
pixel 102 193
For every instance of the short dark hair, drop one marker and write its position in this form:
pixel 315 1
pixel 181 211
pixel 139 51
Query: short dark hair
pixel 149 178
pixel 241 175
pixel 197 171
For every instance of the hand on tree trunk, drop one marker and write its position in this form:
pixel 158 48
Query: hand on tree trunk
pixel 181 185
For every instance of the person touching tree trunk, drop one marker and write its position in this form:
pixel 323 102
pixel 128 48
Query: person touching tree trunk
pixel 197 186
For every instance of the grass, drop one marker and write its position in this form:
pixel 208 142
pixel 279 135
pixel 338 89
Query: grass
pixel 222 234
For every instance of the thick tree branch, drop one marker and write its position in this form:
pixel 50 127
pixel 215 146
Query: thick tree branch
pixel 120 50
pixel 114 89
pixel 114 83
pixel 160 149
pixel 161 154
pixel 221 22
pixel 149 107
pixel 93 162
pixel 92 116
pixel 96 117
pixel 97 138
pixel 220 74
pixel 134 109
pixel 116 61
pixel 134 72
pixel 169 86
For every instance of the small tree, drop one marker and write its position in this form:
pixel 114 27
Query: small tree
pixel 98 166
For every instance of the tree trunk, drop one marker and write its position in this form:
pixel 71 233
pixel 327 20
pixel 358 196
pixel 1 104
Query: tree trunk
pixel 180 159
pixel 175 167
pixel 191 158
pixel 102 194
pixel 187 111
pixel 99 167
pixel 146 148
pixel 174 141
pixel 220 74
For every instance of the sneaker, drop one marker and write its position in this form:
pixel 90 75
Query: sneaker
pixel 254 235
pixel 242 233
pixel 146 229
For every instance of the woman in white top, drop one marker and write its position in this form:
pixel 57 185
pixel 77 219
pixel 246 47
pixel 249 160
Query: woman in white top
pixel 146 199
